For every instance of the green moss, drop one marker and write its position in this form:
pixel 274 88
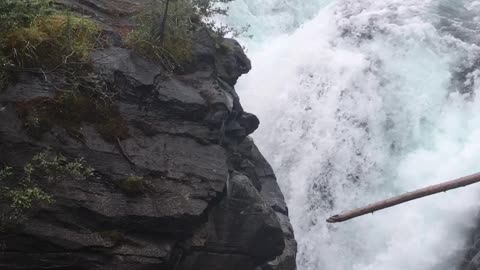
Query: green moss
pixel 70 112
pixel 133 185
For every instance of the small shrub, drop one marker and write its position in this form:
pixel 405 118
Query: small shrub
pixel 133 185
pixel 20 192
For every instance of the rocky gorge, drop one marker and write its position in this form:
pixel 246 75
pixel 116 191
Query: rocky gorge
pixel 207 199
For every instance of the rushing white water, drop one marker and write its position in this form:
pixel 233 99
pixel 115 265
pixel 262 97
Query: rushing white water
pixel 360 100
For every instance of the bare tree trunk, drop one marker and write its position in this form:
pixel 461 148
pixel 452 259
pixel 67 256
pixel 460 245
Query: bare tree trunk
pixel 163 25
pixel 420 193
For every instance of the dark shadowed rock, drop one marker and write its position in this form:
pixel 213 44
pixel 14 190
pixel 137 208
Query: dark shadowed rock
pixel 251 162
pixel 232 61
pixel 242 223
pixel 472 251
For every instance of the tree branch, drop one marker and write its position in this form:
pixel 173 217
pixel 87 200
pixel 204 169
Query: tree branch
pixel 417 194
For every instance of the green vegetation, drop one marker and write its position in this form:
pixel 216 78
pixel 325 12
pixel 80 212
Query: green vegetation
pixel 21 13
pixel 52 42
pixel 19 192
pixel 35 37
pixel 16 14
pixel 172 46
pixel 164 29
pixel 133 185
pixel 70 111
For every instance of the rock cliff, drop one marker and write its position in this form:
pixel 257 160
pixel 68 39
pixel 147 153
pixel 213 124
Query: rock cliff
pixel 208 199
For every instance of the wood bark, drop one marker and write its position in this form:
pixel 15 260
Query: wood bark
pixel 413 195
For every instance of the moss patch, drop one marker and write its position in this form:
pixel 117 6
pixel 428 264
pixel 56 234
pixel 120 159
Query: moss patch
pixel 133 185
pixel 70 111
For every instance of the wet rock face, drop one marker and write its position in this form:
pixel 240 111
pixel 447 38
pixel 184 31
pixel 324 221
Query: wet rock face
pixel 208 199
pixel 471 261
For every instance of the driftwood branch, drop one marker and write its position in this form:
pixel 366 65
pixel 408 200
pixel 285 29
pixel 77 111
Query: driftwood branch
pixel 417 194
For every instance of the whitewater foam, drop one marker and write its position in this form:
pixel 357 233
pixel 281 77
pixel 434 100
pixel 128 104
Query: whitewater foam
pixel 364 100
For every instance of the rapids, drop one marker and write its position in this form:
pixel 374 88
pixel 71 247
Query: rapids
pixel 360 100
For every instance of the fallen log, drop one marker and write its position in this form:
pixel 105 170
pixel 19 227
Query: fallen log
pixel 413 195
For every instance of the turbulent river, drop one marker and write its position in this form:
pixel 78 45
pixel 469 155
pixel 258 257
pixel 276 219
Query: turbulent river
pixel 364 99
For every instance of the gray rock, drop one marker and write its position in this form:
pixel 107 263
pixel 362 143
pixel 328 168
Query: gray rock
pixel 474 263
pixel 242 223
pixel 251 162
pixel 471 259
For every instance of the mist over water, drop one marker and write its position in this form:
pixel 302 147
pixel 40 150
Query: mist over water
pixel 360 100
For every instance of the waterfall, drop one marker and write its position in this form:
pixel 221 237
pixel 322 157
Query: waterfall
pixel 360 100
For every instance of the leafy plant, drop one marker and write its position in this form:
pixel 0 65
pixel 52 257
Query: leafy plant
pixel 19 192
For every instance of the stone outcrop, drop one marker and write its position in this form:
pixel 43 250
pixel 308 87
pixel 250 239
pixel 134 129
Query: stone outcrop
pixel 209 200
